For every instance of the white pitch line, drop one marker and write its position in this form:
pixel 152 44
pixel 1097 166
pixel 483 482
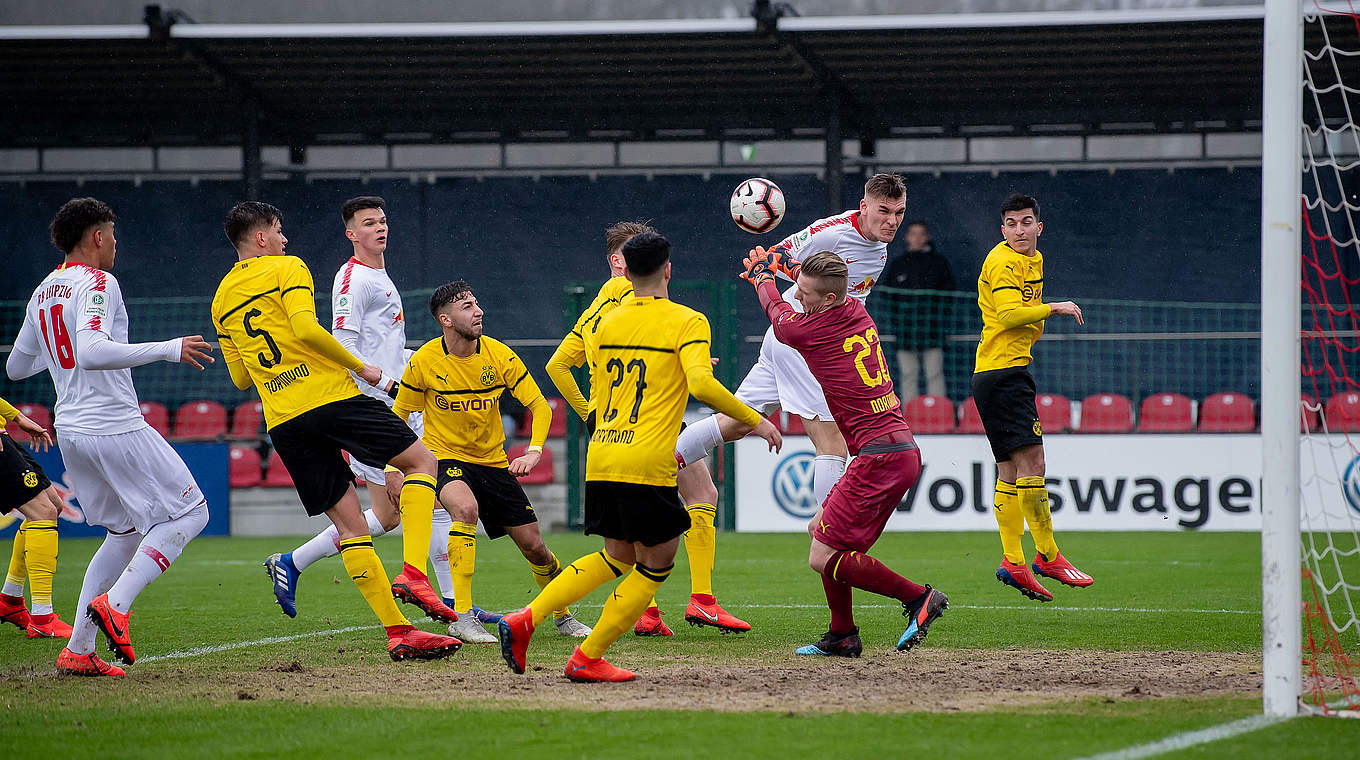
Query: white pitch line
pixel 1190 738
pixel 196 651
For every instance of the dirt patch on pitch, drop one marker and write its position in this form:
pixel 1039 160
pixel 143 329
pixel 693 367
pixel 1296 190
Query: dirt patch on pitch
pixel 933 680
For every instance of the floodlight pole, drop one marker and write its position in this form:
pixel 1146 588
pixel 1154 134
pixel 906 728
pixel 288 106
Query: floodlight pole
pixel 1281 190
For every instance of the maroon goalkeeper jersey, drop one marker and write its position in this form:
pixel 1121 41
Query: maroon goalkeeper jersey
pixel 841 348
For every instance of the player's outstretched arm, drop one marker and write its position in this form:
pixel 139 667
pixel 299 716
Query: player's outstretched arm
pixel 559 368
pixel 96 350
pixel 25 359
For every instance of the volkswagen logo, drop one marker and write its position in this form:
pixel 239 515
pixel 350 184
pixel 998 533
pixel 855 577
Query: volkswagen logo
pixel 792 485
pixel 1350 484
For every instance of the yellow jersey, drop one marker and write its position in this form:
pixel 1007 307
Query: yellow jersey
pixel 460 396
pixel 1010 295
pixel 646 358
pixel 251 312
pixel 7 411
pixel 572 351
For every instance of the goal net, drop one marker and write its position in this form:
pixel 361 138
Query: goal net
pixel 1329 483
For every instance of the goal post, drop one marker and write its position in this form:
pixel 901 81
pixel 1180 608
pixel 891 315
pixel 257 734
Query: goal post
pixel 1281 191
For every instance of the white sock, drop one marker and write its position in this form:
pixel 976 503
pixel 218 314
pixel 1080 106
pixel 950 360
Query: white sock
pixel 696 439
pixel 162 545
pixel 826 470
pixel 17 589
pixel 442 522
pixel 327 542
pixel 107 564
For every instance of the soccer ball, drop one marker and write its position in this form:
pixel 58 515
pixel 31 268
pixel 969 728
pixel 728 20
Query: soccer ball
pixel 757 205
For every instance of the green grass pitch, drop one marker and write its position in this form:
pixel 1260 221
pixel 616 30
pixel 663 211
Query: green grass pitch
pixel 223 674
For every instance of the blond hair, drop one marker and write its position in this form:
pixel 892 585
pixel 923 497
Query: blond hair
pixel 886 186
pixel 829 270
pixel 618 233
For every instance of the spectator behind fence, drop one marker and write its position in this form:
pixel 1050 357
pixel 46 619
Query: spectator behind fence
pixel 922 318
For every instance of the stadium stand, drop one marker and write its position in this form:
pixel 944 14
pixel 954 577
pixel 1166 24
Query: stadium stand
pixel 244 468
pixel 157 416
pixel 1166 413
pixel 542 474
pixel 275 474
pixel 1343 412
pixel 929 414
pixel 1227 412
pixel 1055 412
pixel 200 420
pixel 558 429
pixel 969 421
pixel 1106 413
pixel 247 421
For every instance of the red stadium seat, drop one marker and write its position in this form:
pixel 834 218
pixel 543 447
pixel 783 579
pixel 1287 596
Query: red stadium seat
pixel 244 470
pixel 36 412
pixel 558 428
pixel 1106 413
pixel 929 414
pixel 200 420
pixel 1166 413
pixel 1055 412
pixel 247 420
pixel 969 421
pixel 542 474
pixel 1308 415
pixel 276 475
pixel 1342 413
pixel 157 416
pixel 1227 413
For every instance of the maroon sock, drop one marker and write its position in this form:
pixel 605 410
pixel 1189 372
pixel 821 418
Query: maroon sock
pixel 838 600
pixel 862 571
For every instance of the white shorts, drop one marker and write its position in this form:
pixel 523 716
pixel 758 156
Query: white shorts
pixel 128 481
pixel 375 475
pixel 781 378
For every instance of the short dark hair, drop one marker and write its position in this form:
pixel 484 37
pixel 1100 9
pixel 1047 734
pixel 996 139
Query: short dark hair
pixel 887 186
pixel 619 232
pixel 74 218
pixel 645 253
pixel 920 222
pixel 355 205
pixel 447 294
pixel 1019 202
pixel 246 216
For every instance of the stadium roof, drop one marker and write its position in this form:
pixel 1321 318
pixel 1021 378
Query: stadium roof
pixel 168 83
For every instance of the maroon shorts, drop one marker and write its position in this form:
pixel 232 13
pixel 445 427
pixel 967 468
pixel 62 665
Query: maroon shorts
pixel 854 514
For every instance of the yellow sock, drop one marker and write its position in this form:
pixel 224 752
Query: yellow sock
pixel 462 561
pixel 1010 521
pixel 18 570
pixel 362 564
pixel 544 574
pixel 624 607
pixel 574 582
pixel 417 509
pixel 40 554
pixel 701 544
pixel 1034 505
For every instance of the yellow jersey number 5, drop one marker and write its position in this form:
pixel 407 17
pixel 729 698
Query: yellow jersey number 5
pixel 873 372
pixel 275 355
pixel 617 368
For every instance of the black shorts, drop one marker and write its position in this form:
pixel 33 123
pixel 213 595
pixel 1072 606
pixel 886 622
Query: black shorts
pixel 1005 402
pixel 501 502
pixel 21 479
pixel 648 515
pixel 310 446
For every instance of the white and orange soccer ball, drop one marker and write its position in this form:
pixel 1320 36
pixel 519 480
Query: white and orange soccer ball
pixel 757 205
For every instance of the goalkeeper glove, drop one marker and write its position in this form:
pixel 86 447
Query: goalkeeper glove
pixel 759 266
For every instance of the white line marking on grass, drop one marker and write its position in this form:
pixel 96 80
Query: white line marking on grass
pixel 1036 606
pixel 1190 738
pixel 196 651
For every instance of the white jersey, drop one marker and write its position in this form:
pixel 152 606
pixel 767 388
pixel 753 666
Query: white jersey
pixel 841 235
pixel 364 300
pixel 72 299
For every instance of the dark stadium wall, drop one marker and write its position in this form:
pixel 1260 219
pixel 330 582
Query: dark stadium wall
pixel 1191 235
